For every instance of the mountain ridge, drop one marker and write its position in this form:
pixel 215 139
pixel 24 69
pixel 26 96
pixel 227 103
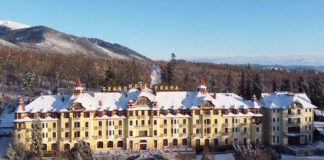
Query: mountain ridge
pixel 46 39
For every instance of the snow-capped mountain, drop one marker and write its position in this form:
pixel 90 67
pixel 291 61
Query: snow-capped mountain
pixel 10 25
pixel 48 40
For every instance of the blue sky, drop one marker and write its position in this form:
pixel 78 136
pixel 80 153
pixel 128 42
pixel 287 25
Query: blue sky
pixel 190 29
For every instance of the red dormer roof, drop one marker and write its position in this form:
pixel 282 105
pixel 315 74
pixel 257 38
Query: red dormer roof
pixel 78 82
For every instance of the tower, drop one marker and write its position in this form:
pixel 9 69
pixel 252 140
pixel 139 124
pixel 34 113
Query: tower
pixel 78 88
pixel 202 88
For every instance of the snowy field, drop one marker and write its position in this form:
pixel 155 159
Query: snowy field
pixel 289 157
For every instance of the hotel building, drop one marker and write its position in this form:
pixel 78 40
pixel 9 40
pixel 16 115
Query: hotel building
pixel 141 119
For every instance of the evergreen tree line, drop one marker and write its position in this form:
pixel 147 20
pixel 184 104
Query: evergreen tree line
pixel 34 71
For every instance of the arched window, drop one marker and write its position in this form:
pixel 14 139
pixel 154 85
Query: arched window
pixel 206 142
pixel 120 144
pixel 54 147
pixel 66 147
pixel 143 101
pixel 110 144
pixel 175 142
pixel 44 147
pixel 215 142
pixel 165 142
pixel 131 145
pixel 197 142
pixel 100 145
pixel 184 142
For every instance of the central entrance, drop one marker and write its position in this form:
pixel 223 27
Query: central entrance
pixel 143 145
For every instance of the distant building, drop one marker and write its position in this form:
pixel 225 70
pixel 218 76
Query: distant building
pixel 141 118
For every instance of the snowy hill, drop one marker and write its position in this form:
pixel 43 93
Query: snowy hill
pixel 48 40
pixel 10 25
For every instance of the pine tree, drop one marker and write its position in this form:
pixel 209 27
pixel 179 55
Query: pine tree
pixel 213 84
pixel 302 85
pixel 81 151
pixel 9 66
pixel 229 84
pixel 36 138
pixel 316 92
pixel 168 73
pixel 135 72
pixel 16 151
pixel 29 81
pixel 257 86
pixel 288 85
pixel 110 76
pixel 249 89
pixel 242 88
pixel 274 85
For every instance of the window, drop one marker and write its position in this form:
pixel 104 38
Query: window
pixel 257 129
pixel 215 121
pixel 143 113
pixel 54 134
pixel 165 142
pixel 184 121
pixel 184 142
pixel 99 133
pixel 197 112
pixel 130 113
pixel 165 121
pixel 277 139
pixel 76 124
pixel 143 122
pixel 86 114
pixel 87 134
pixel 216 130
pixel 175 142
pixel 155 122
pixel 130 133
pixel 66 134
pixel 197 131
pixel 310 119
pixel 184 131
pixel 245 120
pixel 66 115
pixel 197 121
pixel 273 120
pixel 245 129
pixel 100 123
pixel 278 119
pixel 277 128
pixel 298 111
pixel 226 130
pixel 110 144
pixel 66 125
pixel 155 132
pixel 155 113
pixel 273 139
pixel 215 112
pixel 273 128
pixel 226 120
pixel 120 132
pixel 120 123
pixel 289 111
pixel 136 123
pixel 130 123
pixel 149 122
pixel 86 124
pixel 226 141
pixel 165 131
pixel 54 125
pixel 77 134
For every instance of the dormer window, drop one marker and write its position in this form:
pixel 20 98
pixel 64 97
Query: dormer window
pixel 207 104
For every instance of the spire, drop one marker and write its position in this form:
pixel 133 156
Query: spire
pixel 78 87
pixel 202 86
pixel 78 82
pixel 21 107
pixel 202 80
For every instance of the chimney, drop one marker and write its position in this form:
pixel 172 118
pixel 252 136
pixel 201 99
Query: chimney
pixel 93 94
pixel 214 95
pixel 254 98
pixel 41 94
pixel 22 104
pixel 62 97
pixel 100 103
pixel 155 91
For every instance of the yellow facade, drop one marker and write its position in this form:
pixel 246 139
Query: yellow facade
pixel 143 129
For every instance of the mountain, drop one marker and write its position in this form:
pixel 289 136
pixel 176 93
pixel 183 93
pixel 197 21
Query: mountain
pixel 48 40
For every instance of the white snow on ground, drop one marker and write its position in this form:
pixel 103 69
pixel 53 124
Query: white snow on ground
pixel 225 156
pixel 4 142
pixel 289 157
pixel 13 25
pixel 156 75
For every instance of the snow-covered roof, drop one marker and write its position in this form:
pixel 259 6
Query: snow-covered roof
pixel 282 100
pixel 108 101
